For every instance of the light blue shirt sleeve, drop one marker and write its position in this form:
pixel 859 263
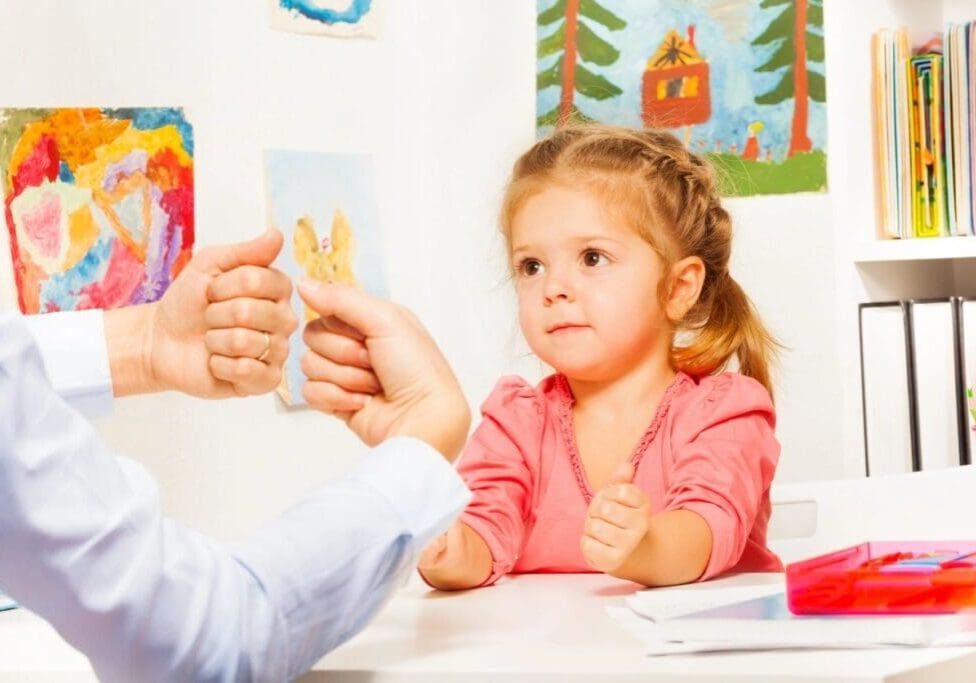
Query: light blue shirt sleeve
pixel 85 545
pixel 72 346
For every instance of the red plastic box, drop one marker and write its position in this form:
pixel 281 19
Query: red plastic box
pixel 891 577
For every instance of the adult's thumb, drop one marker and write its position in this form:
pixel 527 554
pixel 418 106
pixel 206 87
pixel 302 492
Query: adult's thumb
pixel 261 251
pixel 353 308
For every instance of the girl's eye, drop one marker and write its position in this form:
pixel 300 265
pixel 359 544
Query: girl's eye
pixel 528 267
pixel 592 258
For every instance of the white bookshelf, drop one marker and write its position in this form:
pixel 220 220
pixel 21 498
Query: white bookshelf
pixel 863 246
pixel 868 268
pixel 923 249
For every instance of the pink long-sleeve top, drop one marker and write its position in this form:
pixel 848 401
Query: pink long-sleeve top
pixel 710 448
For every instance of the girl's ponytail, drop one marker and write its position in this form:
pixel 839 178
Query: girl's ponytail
pixel 731 328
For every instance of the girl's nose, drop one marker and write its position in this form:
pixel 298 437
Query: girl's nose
pixel 558 288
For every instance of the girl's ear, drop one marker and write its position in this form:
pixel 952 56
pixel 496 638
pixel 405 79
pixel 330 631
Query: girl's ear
pixel 686 279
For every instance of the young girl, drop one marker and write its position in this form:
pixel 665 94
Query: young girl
pixel 635 458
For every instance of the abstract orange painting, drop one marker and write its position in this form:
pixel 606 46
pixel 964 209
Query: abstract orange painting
pixel 98 204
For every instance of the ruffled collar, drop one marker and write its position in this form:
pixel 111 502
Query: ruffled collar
pixel 565 403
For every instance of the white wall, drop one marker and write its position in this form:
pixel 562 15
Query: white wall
pixel 444 99
pixel 783 257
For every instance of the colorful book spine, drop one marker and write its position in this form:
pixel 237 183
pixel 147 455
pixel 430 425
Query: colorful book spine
pixel 925 133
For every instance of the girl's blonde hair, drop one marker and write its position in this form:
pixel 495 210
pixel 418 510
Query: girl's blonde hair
pixel 669 196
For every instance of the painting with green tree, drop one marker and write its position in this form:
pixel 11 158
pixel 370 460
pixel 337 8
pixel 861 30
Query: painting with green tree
pixel 739 81
pixel 574 41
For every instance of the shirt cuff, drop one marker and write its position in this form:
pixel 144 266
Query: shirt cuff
pixel 75 355
pixel 425 510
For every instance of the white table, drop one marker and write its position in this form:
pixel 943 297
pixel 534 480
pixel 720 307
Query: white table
pixel 529 628
pixel 537 628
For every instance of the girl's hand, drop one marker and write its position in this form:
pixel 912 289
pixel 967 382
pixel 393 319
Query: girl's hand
pixel 444 552
pixel 456 560
pixel 616 522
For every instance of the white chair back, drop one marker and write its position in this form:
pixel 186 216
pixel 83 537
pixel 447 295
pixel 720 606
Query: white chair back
pixel 811 518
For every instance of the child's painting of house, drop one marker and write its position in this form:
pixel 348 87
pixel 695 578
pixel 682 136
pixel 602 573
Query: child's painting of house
pixel 739 81
pixel 326 208
pixel 98 204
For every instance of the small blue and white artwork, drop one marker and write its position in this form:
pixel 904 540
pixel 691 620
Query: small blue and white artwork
pixel 342 18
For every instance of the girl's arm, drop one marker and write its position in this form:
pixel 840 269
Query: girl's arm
pixel 674 549
pixel 456 560
pixel 622 538
pixel 719 477
pixel 484 543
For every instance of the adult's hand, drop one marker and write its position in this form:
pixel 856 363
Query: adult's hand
pixel 372 364
pixel 220 330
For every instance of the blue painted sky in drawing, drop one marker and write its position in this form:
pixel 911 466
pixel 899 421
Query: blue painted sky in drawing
pixel 723 31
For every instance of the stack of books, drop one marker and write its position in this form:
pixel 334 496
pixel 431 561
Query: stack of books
pixel 925 133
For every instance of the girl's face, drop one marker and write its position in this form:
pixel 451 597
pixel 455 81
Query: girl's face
pixel 587 286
